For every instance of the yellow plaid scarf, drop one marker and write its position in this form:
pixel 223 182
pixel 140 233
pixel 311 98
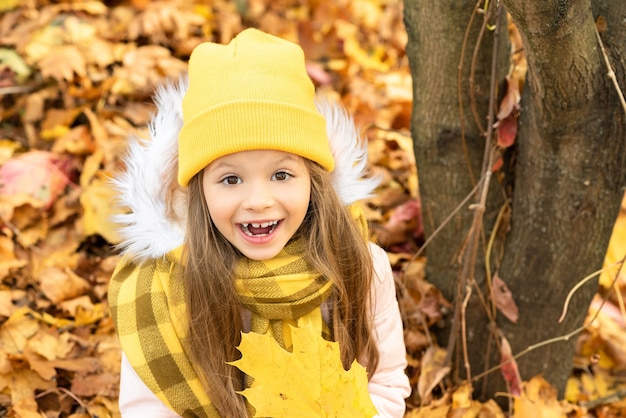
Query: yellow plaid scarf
pixel 148 308
pixel 149 311
pixel 282 291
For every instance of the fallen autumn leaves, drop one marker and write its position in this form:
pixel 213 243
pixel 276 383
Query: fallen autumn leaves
pixel 75 82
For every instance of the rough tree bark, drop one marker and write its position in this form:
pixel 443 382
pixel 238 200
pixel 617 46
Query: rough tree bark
pixel 565 179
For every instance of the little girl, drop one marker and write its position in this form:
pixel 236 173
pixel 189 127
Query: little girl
pixel 242 218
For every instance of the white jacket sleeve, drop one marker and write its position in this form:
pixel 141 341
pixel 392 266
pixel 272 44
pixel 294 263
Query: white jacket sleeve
pixel 389 385
pixel 136 399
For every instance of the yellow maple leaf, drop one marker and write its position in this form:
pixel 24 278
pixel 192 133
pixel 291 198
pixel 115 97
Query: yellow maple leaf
pixel 309 381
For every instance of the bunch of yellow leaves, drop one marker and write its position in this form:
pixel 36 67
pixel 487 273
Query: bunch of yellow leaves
pixel 309 381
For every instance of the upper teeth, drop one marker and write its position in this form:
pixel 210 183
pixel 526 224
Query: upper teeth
pixel 263 225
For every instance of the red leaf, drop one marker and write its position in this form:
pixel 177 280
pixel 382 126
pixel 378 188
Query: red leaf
pixel 507 130
pixel 405 223
pixel 40 174
pixel 510 372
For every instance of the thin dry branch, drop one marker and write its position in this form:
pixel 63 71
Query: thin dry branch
pixel 610 73
pixel 581 283
pixel 459 87
pixel 472 86
pixel 470 256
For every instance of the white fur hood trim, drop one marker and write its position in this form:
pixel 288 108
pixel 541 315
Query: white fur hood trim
pixel 149 230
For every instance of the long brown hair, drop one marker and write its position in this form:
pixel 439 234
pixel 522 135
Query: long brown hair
pixel 334 246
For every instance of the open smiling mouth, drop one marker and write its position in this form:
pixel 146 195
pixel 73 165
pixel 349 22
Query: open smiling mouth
pixel 259 230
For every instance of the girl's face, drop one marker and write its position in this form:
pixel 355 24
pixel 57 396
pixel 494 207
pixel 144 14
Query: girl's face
pixel 257 199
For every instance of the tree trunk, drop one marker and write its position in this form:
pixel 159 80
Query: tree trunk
pixel 569 171
pixel 570 175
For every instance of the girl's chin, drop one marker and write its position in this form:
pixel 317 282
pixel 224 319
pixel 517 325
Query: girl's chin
pixel 261 248
pixel 261 255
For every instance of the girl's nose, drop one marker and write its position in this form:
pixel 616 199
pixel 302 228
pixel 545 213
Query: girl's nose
pixel 259 198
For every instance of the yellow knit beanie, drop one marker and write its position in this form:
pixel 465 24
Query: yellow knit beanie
pixel 253 93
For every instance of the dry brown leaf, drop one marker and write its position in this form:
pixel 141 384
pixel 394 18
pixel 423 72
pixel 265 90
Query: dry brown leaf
pixel 72 306
pixel 40 365
pixel 30 224
pixel 76 141
pixel 503 299
pixel 60 284
pixel 415 340
pixel 63 62
pixel 434 370
pixel 6 303
pixel 8 262
pixel 104 384
pixel 58 249
pixel 404 224
pixel 429 299
pixel 45 343
pixel 25 407
pixel 17 330
pixel 99 52
pixel 26 382
pixel 146 66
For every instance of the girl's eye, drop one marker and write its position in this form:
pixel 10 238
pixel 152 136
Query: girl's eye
pixel 281 176
pixel 231 180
